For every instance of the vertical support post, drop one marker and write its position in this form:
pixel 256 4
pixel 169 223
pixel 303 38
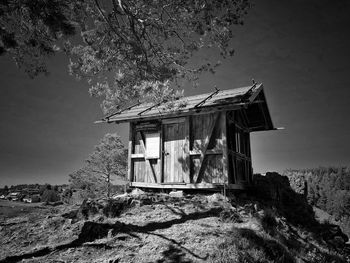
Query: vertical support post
pixel 234 145
pixel 190 148
pixel 186 152
pixel 130 146
pixel 250 168
pixel 161 165
pixel 224 148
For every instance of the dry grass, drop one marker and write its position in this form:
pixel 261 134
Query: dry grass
pixel 191 230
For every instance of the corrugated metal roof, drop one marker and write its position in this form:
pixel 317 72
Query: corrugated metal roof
pixel 187 104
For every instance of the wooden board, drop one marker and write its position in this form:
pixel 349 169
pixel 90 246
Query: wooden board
pixel 206 140
pixel 152 141
pixel 143 169
pixel 175 152
pixel 130 152
pixel 188 186
pixel 139 170
pixel 239 153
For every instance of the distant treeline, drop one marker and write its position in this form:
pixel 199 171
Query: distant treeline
pixel 326 188
pixel 37 192
pixel 40 187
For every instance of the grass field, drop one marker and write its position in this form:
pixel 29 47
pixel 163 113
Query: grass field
pixel 10 209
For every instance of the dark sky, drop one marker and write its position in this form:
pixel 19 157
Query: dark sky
pixel 299 50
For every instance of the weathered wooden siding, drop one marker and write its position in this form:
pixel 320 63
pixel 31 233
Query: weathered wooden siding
pixel 200 149
pixel 175 152
pixel 144 170
pixel 207 148
pixel 239 153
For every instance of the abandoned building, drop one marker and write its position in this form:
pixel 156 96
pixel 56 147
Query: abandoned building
pixel 200 142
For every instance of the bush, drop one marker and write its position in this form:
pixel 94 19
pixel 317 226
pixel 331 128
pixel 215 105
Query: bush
pixel 268 222
pixel 50 195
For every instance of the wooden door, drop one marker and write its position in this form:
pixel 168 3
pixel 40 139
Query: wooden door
pixel 175 160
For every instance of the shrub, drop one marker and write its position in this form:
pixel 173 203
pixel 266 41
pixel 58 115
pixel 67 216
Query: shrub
pixel 268 222
pixel 50 195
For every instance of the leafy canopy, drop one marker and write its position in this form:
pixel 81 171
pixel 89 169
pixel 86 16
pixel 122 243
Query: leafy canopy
pixel 127 50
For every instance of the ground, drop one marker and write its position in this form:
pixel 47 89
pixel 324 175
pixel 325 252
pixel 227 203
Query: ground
pixel 158 228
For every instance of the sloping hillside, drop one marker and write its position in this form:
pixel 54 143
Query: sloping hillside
pixel 326 188
pixel 160 228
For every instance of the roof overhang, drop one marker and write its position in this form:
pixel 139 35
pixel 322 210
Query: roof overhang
pixel 251 99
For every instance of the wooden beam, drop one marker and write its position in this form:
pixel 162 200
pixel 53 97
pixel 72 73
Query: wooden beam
pixel 207 98
pixel 130 146
pixel 224 146
pixel 173 120
pixel 256 92
pixel 147 161
pixel 209 152
pixel 137 156
pixel 190 147
pixel 186 151
pixel 188 186
pixel 239 155
pixel 249 162
pixel 207 143
pixel 120 111
pixel 149 108
pixel 161 165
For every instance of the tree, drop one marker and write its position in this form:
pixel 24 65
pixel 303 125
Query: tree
pixel 91 184
pixel 108 159
pixel 129 51
pixel 30 29
pixel 49 195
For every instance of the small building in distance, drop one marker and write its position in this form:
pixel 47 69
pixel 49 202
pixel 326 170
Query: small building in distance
pixel 198 142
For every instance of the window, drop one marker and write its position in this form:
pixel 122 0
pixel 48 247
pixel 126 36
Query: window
pixel 152 145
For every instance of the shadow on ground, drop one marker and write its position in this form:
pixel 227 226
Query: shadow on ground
pixel 94 230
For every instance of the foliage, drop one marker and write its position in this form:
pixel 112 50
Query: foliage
pixel 50 195
pixel 5 190
pixel 328 189
pixel 268 221
pixel 276 189
pixel 29 30
pixel 127 50
pixel 92 186
pixel 108 159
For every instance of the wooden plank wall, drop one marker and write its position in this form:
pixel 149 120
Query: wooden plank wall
pixel 239 152
pixel 193 151
pixel 207 148
pixel 175 149
pixel 143 171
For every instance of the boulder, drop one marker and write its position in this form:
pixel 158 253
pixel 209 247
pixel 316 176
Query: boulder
pixel 178 194
pixel 120 196
pixel 216 198
pixel 136 192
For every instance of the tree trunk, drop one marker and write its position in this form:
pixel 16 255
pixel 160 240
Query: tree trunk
pixel 108 186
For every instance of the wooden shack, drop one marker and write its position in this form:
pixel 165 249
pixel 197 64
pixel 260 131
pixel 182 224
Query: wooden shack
pixel 199 142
